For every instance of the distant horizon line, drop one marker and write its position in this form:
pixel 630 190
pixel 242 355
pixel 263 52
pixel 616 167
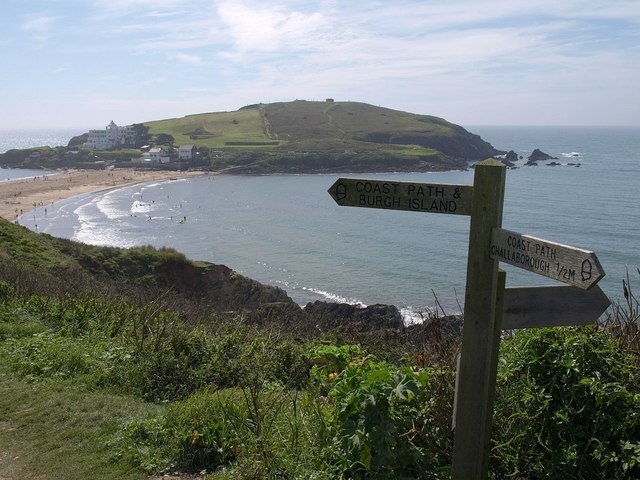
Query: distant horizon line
pixel 469 125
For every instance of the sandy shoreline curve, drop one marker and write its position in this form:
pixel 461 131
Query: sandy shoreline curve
pixel 18 197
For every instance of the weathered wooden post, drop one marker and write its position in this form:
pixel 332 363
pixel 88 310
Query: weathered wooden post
pixel 489 306
pixel 480 331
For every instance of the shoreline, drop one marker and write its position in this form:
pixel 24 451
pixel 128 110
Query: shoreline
pixel 19 197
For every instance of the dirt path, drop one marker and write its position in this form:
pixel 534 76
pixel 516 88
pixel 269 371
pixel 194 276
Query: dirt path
pixel 6 470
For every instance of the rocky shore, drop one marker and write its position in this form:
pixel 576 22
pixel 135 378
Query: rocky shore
pixel 227 292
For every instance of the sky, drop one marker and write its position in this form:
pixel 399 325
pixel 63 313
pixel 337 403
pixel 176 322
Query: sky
pixel 83 63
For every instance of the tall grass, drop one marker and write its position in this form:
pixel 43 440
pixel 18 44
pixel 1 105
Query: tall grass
pixel 240 400
pixel 623 321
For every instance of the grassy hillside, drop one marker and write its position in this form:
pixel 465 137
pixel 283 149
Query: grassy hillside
pixel 348 135
pixel 363 126
pixel 214 130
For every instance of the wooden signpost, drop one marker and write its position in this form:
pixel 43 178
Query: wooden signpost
pixel 489 306
pixel 571 265
pixel 526 307
pixel 414 197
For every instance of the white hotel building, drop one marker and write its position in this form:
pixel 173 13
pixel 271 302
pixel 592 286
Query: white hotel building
pixel 112 136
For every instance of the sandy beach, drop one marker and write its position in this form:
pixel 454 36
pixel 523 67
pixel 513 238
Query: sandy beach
pixel 18 197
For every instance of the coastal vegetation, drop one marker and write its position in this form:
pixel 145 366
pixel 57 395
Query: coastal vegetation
pixel 286 137
pixel 131 363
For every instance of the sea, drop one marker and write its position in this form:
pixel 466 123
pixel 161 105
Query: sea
pixel 10 139
pixel 285 230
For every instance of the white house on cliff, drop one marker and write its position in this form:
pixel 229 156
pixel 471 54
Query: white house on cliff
pixel 112 136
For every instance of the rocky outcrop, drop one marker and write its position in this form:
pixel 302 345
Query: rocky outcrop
pixel 218 286
pixel 330 316
pixel 230 290
pixel 510 158
pixel 285 316
pixel 538 156
pixel 226 290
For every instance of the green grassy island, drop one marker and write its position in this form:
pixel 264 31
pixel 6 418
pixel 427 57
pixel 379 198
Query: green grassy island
pixel 286 137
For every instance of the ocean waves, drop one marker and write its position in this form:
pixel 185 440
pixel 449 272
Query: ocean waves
pixel 287 231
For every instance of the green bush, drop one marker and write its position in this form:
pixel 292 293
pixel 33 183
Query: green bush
pixel 192 435
pixel 150 351
pixel 243 356
pixel 166 360
pixel 329 358
pixel 567 406
pixel 11 329
pixel 383 423
pixel 7 291
pixel 16 321
pixel 275 437
pixel 47 355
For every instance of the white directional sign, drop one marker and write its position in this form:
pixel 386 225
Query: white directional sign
pixel 570 265
pixel 526 307
pixel 414 197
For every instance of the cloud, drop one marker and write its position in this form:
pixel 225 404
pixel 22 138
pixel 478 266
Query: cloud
pixel 408 35
pixel 187 58
pixel 460 56
pixel 126 6
pixel 38 25
pixel 270 28
pixel 153 80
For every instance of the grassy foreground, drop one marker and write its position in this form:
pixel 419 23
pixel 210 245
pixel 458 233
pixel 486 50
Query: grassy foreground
pixel 53 429
pixel 99 379
pixel 78 399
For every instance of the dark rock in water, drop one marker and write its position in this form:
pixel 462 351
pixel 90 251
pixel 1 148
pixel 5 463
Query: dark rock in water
pixel 329 316
pixel 507 163
pixel 553 164
pixel 511 156
pixel 538 156
pixel 222 290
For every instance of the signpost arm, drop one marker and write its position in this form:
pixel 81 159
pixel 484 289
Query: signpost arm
pixel 480 336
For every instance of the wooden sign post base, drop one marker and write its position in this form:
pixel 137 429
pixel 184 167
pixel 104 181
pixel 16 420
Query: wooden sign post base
pixel 486 298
